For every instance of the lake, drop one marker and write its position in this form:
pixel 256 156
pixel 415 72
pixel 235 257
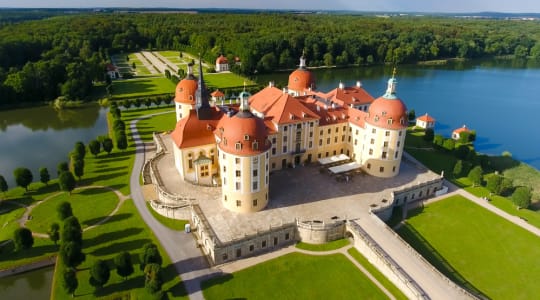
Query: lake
pixel 42 137
pixel 500 99
pixel 35 285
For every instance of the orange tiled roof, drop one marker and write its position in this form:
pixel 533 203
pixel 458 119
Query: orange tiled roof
pixel 301 79
pixel 462 129
pixel 222 60
pixel 217 93
pixel 350 95
pixel 192 132
pixel 426 118
pixel 382 110
pixel 287 109
pixel 264 99
pixel 241 132
pixel 357 117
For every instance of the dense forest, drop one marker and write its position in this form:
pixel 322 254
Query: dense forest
pixel 64 55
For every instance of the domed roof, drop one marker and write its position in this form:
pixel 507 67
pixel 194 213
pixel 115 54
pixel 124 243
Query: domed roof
pixel 242 134
pixel 388 111
pixel 186 90
pixel 301 78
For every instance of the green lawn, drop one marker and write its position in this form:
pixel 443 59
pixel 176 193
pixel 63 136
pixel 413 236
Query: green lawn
pixel 139 66
pixel 333 245
pixel 168 222
pixel 124 232
pixel 226 80
pixel 159 123
pixel 476 248
pixel 295 276
pixel 101 201
pixel 9 214
pixel 140 87
pixel 377 274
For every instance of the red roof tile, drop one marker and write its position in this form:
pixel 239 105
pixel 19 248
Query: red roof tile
pixel 426 118
pixel 192 132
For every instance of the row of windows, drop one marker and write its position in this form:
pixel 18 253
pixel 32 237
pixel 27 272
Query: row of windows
pixel 238 252
pixel 381 169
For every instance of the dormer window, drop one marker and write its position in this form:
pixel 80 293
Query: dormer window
pixel 291 116
pixel 246 137
pixel 225 141
pixel 238 146
pixel 390 121
pixel 255 145
pixel 384 113
pixel 376 118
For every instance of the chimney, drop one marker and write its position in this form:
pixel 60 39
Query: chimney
pixel 359 83
pixel 341 85
pixel 271 83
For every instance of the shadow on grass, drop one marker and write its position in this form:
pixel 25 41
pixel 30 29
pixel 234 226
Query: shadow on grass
pixel 107 170
pixel 89 181
pixel 9 254
pixel 120 246
pixel 422 246
pixel 219 280
pixel 110 236
pixel 114 218
pixel 91 191
pixel 132 282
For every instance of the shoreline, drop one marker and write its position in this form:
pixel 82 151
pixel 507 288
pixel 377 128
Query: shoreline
pixel 46 262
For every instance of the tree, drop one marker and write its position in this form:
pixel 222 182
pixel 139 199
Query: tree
pixel 23 177
pixel 493 183
pixel 116 113
pixel 449 144
pixel 150 254
pixel 54 232
pixel 99 273
pixel 522 197
pixel 458 169
pixel 64 211
pixel 80 149
pixel 438 140
pixel 71 230
pixel 168 74
pixel 107 145
pixel 475 175
pixel 328 59
pixel 71 253
pixel 78 168
pixel 137 103
pixel 121 141
pixel 429 135
pixel 126 104
pixel 3 184
pixel 67 181
pixel 119 125
pixel 412 115
pixel 22 238
pixel 157 100
pixel 44 175
pixel 124 266
pixel 95 147
pixel 133 65
pixel 62 167
pixel 506 186
pixel 70 282
pixel 462 151
pixel 153 280
pixel 147 102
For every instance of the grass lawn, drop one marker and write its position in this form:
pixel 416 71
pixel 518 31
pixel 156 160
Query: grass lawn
pixel 124 232
pixel 225 80
pixel 101 201
pixel 375 273
pixel 168 222
pixel 295 276
pixel 333 245
pixel 476 248
pixel 140 87
pixel 139 66
pixel 159 123
pixel 9 215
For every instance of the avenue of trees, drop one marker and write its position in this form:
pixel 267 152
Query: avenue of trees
pixel 41 60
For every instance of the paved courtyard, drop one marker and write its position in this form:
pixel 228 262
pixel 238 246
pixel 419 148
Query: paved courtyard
pixel 302 193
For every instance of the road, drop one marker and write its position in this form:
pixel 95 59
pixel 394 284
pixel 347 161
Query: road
pixel 188 260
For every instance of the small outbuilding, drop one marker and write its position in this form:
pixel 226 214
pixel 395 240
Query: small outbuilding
pixel 222 64
pixel 456 134
pixel 425 122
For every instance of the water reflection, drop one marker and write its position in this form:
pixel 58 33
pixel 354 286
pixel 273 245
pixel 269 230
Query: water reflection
pixel 30 285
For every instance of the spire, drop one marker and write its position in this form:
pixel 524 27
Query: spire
pixel 202 104
pixel 302 61
pixel 391 89
pixel 190 71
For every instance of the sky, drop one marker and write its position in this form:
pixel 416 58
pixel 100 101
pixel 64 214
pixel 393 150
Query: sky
pixel 524 6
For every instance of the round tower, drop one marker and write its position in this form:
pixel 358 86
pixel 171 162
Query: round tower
pixel 385 130
pixel 243 147
pixel 185 94
pixel 301 79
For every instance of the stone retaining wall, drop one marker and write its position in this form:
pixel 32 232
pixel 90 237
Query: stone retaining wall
pixel 319 232
pixel 50 261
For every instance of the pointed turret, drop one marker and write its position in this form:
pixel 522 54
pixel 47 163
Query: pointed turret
pixel 204 111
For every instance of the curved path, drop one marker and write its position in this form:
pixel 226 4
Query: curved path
pixel 121 199
pixel 187 259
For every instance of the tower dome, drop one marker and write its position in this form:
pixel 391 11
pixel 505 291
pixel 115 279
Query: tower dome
pixel 388 111
pixel 186 88
pixel 301 78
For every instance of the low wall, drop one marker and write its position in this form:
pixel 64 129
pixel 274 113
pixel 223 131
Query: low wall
pixel 28 267
pixel 173 212
pixel 319 232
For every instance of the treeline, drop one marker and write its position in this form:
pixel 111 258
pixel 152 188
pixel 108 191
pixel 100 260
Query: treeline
pixel 64 55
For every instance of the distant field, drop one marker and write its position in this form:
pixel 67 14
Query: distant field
pixel 226 80
pixel 476 248
pixel 295 276
pixel 142 87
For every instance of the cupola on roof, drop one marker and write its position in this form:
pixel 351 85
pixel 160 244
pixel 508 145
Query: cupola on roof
pixel 301 78
pixel 388 111
pixel 186 89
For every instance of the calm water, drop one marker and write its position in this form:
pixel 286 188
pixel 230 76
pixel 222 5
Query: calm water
pixel 499 99
pixel 42 137
pixel 34 285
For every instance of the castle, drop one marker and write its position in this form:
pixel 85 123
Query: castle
pixel 236 146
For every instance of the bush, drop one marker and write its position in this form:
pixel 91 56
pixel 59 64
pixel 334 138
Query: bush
pixel 22 238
